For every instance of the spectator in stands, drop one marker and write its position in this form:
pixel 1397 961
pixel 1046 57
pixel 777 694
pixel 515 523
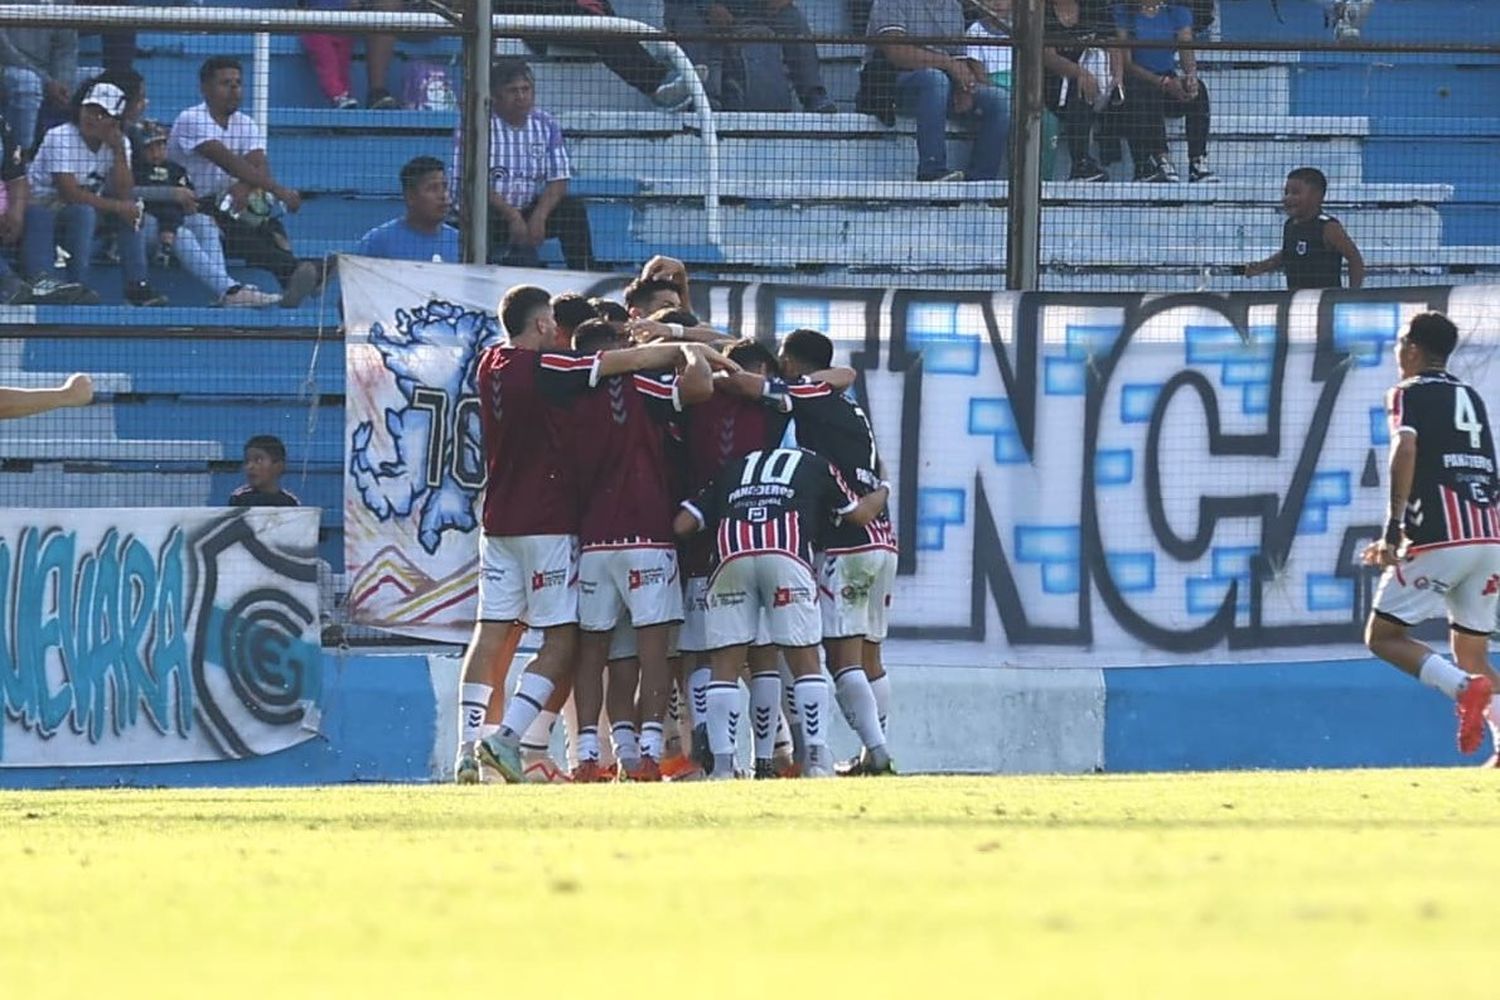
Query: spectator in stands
pixel 421 233
pixel 529 173
pixel 1314 244
pixel 1162 82
pixel 176 227
pixel 625 58
pixel 265 464
pixel 81 171
pixel 15 193
pixel 1076 92
pixel 769 59
pixel 332 55
pixel 224 151
pixel 930 82
pixel 40 66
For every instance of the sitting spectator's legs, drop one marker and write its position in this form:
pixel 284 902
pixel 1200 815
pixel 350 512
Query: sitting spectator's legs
pixel 72 227
pixel 991 116
pixel 330 56
pixel 1076 117
pixel 131 242
pixel 379 51
pixel 197 248
pixel 265 246
pixel 1142 117
pixel 23 102
pixel 38 242
pixel 1196 112
pixel 626 59
pixel 923 94
pixel 568 224
pixel 801 57
pixel 688 19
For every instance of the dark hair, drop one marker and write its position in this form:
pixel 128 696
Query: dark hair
pixel 1311 176
pixel 213 64
pixel 573 310
pixel 641 289
pixel 520 305
pixel 1434 333
pixel 270 444
pixel 417 168
pixel 509 69
pixel 809 347
pixel 610 309
pixel 684 317
pixel 595 335
pixel 754 356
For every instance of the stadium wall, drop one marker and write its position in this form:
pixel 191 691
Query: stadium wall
pixel 391 718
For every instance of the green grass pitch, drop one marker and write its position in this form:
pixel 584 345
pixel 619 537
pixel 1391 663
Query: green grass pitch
pixel 1269 885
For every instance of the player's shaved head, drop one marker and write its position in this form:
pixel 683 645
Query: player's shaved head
pixel 1434 334
pixel 753 357
pixel 520 307
pixel 572 310
pixel 597 335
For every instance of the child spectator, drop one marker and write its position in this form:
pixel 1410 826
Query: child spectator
pixel 1314 245
pixel 421 233
pixel 81 171
pixel 265 463
pixel 174 226
pixel 1155 89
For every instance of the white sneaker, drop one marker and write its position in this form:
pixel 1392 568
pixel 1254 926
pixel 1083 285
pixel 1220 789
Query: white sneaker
pixel 249 296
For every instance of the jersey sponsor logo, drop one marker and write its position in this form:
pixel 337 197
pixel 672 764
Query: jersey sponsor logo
pixel 652 576
pixel 1427 583
pixel 542 579
pixel 786 596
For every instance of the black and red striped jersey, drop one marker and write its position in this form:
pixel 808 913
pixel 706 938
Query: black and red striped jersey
pixel 832 424
pixel 1453 490
pixel 772 501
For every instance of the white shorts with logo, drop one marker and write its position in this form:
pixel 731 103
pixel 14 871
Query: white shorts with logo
pixel 854 593
pixel 638 584
pixel 529 578
pixel 694 637
pixel 763 587
pixel 1463 580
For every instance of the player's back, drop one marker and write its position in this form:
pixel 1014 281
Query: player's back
pixel 619 452
pixel 1453 490
pixel 776 500
pixel 833 425
pixel 723 428
pixel 529 486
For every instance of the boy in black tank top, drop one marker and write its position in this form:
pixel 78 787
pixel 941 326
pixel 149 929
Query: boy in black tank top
pixel 1314 245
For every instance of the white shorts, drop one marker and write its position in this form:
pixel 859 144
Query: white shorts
pixel 854 593
pixel 622 641
pixel 529 578
pixel 1464 580
pixel 638 584
pixel 694 638
pixel 765 586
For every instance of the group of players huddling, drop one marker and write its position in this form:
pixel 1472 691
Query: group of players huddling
pixel 646 513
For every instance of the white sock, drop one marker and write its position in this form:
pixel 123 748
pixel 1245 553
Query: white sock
pixel 1495 720
pixel 722 716
pixel 538 735
pixel 698 682
pixel 585 747
pixel 622 737
pixel 784 740
pixel 652 739
pixel 881 688
pixel 525 705
pixel 488 729
pixel 792 712
pixel 765 709
pixel 606 748
pixel 1443 675
pixel 474 701
pixel 812 703
pixel 857 702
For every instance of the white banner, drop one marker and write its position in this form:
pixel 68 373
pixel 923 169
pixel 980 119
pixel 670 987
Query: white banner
pixel 160 635
pixel 1100 479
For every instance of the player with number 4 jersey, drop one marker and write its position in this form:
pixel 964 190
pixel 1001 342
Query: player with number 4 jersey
pixel 1440 549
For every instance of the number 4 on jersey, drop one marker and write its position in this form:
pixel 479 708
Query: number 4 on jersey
pixel 1465 420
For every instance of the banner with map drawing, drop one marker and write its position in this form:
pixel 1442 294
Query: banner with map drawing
pixel 1079 479
pixel 152 636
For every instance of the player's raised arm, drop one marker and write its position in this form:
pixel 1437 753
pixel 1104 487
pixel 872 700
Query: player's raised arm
pixel 76 390
pixel 869 507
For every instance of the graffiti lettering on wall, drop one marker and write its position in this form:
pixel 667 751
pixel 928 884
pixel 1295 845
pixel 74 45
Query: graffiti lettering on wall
pixel 1139 478
pixel 157 635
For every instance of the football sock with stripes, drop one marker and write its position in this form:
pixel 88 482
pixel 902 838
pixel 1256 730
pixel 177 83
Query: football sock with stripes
pixel 474 701
pixel 812 705
pixel 698 682
pixel 622 736
pixel 857 702
pixel 525 705
pixel 723 724
pixel 881 688
pixel 765 709
pixel 652 739
pixel 793 713
pixel 537 738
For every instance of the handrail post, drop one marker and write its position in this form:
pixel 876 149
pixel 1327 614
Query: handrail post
pixel 474 200
pixel 1024 211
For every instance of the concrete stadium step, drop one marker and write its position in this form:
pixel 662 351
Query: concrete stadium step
pixel 99 449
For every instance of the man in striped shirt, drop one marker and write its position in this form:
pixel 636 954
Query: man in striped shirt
pixel 529 172
pixel 1441 547
pixel 765 509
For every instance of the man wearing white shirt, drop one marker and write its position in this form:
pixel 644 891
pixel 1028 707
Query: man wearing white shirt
pixel 224 153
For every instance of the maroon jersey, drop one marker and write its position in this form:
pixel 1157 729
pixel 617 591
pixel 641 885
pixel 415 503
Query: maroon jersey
pixel 773 501
pixel 529 487
pixel 619 452
pixel 716 432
